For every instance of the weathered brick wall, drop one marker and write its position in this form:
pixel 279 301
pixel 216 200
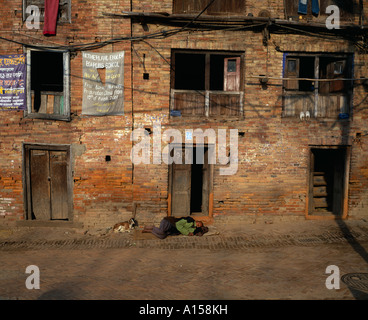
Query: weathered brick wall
pixel 102 191
pixel 271 179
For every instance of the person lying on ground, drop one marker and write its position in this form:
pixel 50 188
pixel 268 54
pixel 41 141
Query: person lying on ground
pixel 186 227
pixel 168 227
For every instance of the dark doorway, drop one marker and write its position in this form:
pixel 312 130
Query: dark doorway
pixel 196 197
pixel 327 181
pixel 190 184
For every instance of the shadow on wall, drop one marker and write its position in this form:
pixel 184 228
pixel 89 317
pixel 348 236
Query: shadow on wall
pixel 357 283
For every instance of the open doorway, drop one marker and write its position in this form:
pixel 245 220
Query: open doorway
pixel 190 184
pixel 328 181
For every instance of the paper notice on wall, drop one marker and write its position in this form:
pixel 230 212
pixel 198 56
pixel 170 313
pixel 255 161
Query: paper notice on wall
pixel 13 82
pixel 103 83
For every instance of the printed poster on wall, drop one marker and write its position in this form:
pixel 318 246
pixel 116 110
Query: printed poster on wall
pixel 13 82
pixel 103 96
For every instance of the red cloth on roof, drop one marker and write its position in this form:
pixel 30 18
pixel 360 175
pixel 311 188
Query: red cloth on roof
pixel 51 15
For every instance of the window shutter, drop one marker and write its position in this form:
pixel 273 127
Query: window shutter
pixel 337 72
pixel 292 71
pixel 218 7
pixel 189 6
pixel 326 72
pixel 235 7
pixel 291 8
pixel 232 74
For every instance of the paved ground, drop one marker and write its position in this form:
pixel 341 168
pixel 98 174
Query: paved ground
pixel 284 260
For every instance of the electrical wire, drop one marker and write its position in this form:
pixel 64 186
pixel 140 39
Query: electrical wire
pixel 175 31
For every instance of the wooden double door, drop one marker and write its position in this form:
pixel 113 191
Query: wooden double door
pixel 47 178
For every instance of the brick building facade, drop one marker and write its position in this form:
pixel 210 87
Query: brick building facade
pixel 294 90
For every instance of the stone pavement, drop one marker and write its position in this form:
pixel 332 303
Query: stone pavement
pixel 242 261
pixel 220 236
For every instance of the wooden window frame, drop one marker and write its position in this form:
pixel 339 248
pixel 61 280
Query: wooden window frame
pixel 28 113
pixel 66 16
pixel 291 87
pixel 207 92
pixel 27 148
pixel 216 9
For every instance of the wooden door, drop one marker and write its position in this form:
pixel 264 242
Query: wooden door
pixel 232 74
pixel 59 190
pixel 292 71
pixel 48 184
pixel 181 189
pixel 40 184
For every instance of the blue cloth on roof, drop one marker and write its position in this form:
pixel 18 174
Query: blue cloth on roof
pixel 315 7
pixel 303 6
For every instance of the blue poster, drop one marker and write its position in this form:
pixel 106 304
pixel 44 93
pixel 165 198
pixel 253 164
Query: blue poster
pixel 13 72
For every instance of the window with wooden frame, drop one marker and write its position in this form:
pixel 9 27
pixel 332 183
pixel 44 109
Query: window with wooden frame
pixel 309 90
pixel 207 83
pixel 48 85
pixel 64 14
pixel 336 69
pixel 348 9
pixel 302 69
pixel 218 7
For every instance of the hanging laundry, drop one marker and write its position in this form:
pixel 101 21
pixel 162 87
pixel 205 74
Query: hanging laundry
pixel 51 15
pixel 315 7
pixel 303 6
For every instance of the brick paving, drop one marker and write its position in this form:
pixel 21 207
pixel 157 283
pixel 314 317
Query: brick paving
pixel 246 236
pixel 276 261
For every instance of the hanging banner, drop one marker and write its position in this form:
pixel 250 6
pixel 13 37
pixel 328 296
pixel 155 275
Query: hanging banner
pixel 103 96
pixel 13 73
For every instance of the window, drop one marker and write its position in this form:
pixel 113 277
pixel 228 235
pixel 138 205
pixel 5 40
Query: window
pixel 64 9
pixel 323 98
pixel 48 85
pixel 207 83
pixel 223 7
pixel 301 67
pixel 347 9
pixel 333 68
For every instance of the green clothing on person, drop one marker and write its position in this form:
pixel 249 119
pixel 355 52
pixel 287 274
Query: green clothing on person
pixel 185 227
